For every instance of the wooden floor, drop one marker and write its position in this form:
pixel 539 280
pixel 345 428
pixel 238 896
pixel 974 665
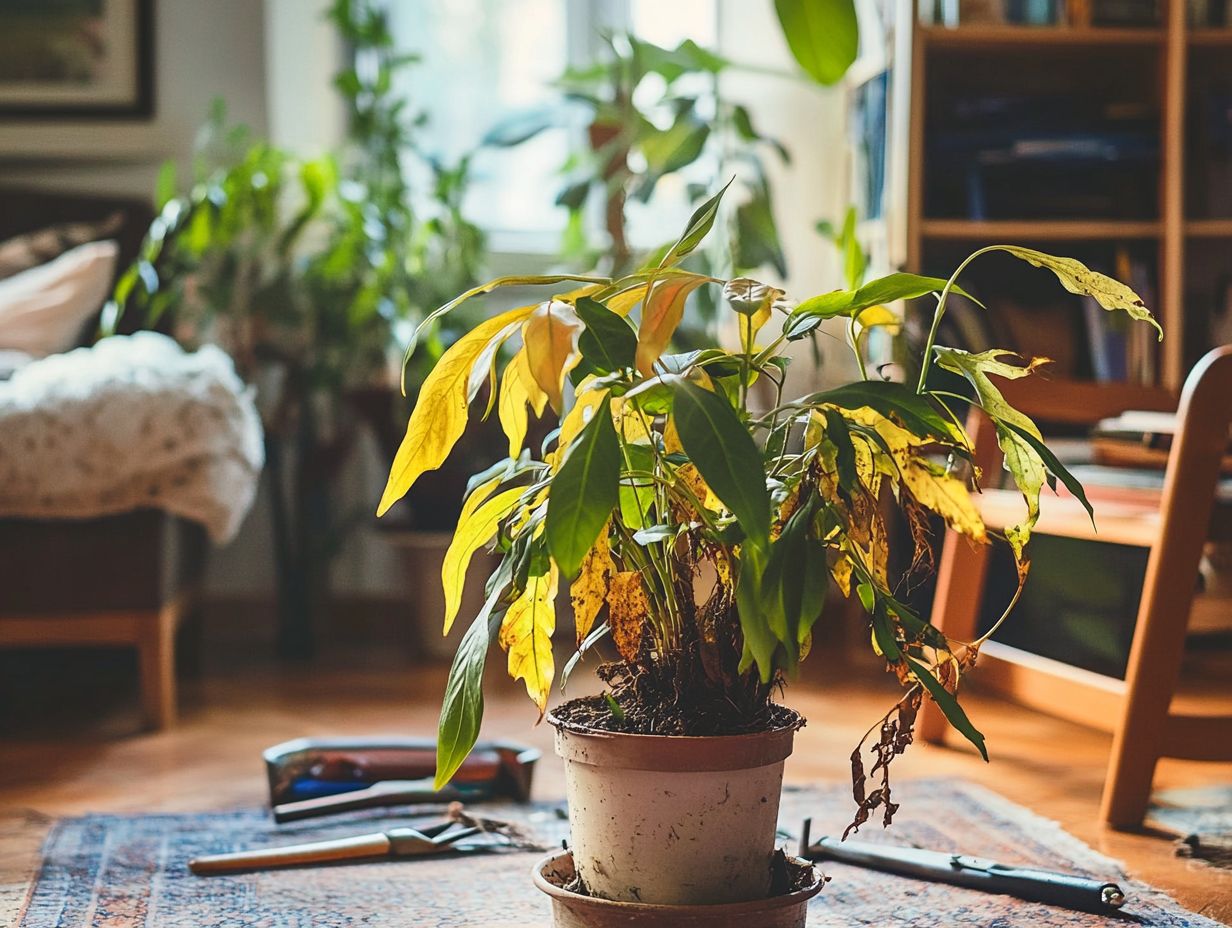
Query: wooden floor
pixel 83 754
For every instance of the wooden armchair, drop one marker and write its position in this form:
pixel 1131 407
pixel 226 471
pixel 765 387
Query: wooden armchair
pixel 1137 710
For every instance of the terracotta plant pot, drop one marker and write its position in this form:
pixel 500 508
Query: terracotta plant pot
pixel 573 910
pixel 673 820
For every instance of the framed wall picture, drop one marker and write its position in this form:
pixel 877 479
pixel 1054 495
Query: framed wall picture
pixel 76 58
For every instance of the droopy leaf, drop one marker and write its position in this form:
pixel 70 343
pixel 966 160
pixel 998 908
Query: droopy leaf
pixel 475 529
pixel 440 414
pixel 550 336
pixel 759 641
pixel 661 314
pixel 726 456
pixel 584 491
pixel 526 633
pixel 462 708
pixel 537 280
pixel 627 609
pixel 893 400
pixel 1055 467
pixel 518 390
pixel 948 705
pixel 588 592
pixel 1021 460
pixel 901 287
pixel 608 343
pixel 1076 277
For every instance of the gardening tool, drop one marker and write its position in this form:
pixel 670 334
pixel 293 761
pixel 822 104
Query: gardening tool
pixel 312 777
pixel 397 842
pixel 1100 897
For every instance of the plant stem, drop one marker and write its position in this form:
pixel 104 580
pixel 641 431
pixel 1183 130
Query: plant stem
pixel 927 361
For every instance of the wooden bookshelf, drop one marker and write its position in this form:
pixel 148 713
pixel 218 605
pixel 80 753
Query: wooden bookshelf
pixel 1155 68
pixel 1037 230
pixel 982 36
pixel 1211 38
pixel 1208 228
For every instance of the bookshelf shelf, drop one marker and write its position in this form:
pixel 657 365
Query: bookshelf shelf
pixel 1208 228
pixel 1058 230
pixel 1210 37
pixel 986 35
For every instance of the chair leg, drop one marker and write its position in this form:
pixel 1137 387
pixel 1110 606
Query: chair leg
pixel 1167 594
pixel 156 656
pixel 956 612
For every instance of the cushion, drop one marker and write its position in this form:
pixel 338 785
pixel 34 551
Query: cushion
pixel 31 249
pixel 43 310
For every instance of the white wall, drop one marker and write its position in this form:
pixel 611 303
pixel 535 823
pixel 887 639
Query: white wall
pixel 203 49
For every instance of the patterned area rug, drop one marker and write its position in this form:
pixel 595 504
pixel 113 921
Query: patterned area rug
pixel 1201 819
pixel 115 871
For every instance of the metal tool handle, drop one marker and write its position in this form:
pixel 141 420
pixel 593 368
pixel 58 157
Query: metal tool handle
pixel 316 852
pixel 387 793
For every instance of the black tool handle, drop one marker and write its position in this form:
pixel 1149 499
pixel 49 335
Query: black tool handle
pixel 1060 889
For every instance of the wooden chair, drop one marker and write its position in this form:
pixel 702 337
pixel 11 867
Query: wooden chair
pixel 1137 710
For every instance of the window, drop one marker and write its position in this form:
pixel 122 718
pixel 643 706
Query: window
pixel 486 59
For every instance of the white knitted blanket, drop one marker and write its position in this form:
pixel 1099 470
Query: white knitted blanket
pixel 134 421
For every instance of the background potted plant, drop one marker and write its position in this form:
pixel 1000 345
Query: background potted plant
pixel 310 272
pixel 700 534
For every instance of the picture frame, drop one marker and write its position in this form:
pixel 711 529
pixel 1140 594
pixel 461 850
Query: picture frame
pixel 78 59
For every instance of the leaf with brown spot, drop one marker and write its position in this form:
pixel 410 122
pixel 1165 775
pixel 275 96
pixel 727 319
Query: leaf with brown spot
pixel 628 608
pixel 588 592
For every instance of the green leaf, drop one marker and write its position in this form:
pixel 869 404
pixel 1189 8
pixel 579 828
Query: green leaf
pixel 883 632
pixel 823 35
pixel 825 305
pixel 699 225
pixel 718 444
pixel 584 491
pixel 894 401
pixel 637 493
pixel 462 708
pixel 614 707
pixel 520 127
pixel 949 705
pixel 165 186
pixel 1077 278
pixel 759 641
pixel 671 149
pixel 1055 467
pixel 844 451
pixel 1021 460
pixel 608 341
pixel 901 287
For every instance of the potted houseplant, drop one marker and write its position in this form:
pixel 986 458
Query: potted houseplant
pixel 701 533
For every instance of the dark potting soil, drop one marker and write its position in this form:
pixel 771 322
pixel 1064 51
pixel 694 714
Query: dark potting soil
pixel 644 717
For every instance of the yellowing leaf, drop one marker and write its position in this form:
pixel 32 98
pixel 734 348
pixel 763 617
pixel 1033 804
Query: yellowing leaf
pixel 945 495
pixel 517 391
pixel 1076 277
pixel 627 613
pixel 1021 460
pixel 474 530
pixel 588 592
pixel 879 315
pixel 841 571
pixel 526 633
pixel 575 420
pixel 632 424
pixel 439 417
pixel 550 336
pixel 661 315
